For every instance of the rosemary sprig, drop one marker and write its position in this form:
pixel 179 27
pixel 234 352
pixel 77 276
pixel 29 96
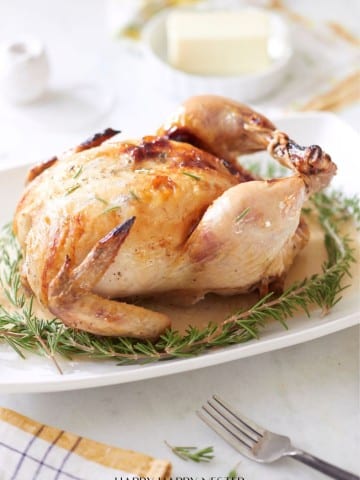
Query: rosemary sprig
pixel 337 206
pixel 193 453
pixel 25 331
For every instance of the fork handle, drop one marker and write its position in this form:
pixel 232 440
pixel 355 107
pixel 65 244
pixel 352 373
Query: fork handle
pixel 322 466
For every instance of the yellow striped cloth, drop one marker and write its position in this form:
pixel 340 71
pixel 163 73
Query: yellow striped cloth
pixel 33 451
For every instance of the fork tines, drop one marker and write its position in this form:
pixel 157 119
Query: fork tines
pixel 239 431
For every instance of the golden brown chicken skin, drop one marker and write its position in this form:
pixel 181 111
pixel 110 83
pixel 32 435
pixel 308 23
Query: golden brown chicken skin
pixel 164 214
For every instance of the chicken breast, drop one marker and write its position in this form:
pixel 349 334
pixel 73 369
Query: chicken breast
pixel 170 214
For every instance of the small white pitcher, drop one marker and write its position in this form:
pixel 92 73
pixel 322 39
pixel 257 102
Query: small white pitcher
pixel 24 70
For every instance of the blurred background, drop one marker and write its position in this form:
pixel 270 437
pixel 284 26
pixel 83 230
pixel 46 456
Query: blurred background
pixel 101 73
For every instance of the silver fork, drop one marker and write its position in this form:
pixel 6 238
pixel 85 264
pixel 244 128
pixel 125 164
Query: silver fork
pixel 259 444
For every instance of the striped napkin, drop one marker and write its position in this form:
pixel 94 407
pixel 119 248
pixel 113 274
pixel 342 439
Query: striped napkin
pixel 33 451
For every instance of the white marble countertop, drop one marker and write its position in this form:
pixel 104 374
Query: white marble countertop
pixel 309 392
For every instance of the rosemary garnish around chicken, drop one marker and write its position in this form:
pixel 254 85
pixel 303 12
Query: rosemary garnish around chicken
pixel 23 330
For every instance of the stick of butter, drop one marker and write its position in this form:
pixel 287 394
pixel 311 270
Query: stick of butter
pixel 218 42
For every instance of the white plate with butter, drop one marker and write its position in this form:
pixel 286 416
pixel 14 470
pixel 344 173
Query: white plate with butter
pixel 37 374
pixel 242 53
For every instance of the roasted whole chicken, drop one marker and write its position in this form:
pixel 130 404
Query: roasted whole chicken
pixel 172 214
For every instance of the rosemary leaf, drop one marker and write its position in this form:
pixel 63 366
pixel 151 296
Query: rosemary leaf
pixel 191 175
pixel 103 201
pixel 111 209
pixel 232 474
pixel 72 189
pixel 242 215
pixel 80 169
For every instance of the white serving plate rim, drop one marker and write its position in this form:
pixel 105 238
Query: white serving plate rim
pixel 344 315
